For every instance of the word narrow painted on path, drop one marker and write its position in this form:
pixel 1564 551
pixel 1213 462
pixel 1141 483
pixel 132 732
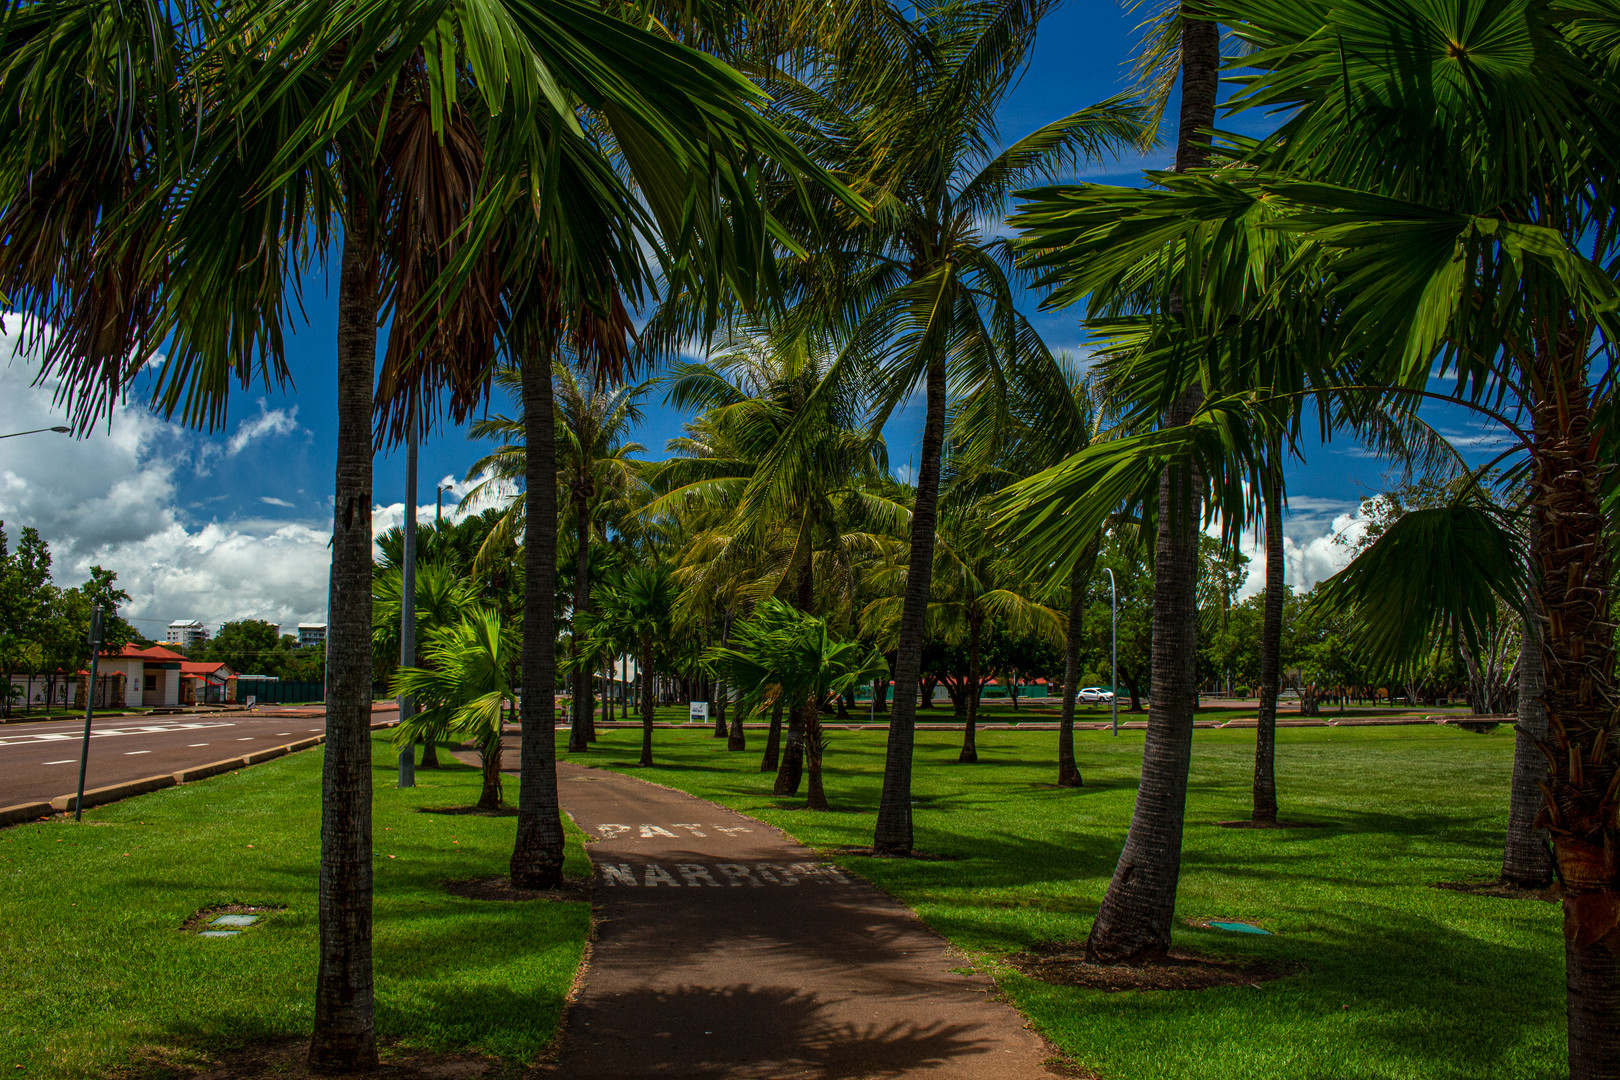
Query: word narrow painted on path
pixel 697 875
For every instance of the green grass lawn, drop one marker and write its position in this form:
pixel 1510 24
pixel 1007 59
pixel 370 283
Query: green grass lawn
pixel 1046 711
pixel 1395 979
pixel 97 973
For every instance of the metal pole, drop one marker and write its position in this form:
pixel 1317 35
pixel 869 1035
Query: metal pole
pixel 89 702
pixel 407 604
pixel 438 511
pixel 35 431
pixel 1113 648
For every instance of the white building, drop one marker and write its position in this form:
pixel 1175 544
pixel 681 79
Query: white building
pixel 311 633
pixel 151 676
pixel 187 632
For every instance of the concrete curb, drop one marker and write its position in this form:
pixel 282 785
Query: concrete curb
pixel 114 792
pixel 28 811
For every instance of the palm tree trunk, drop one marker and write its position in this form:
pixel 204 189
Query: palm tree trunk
pixel 430 753
pixel 1134 920
pixel 773 741
pixel 893 835
pixel 736 738
pixel 344 1038
pixel 607 703
pixel 814 744
pixel 791 773
pixel 1265 737
pixel 584 707
pixel 880 695
pixel 537 857
pixel 490 752
pixel 970 744
pixel 1575 589
pixel 1068 770
pixel 1526 860
pixel 649 702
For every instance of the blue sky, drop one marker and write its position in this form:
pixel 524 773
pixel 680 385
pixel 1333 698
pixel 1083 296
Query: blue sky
pixel 233 523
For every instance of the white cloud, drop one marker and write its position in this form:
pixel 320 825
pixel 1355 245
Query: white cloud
pixel 268 422
pixel 906 473
pixel 112 498
pixel 271 500
pixel 1311 552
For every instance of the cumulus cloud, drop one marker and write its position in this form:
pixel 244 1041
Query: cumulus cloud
pixel 271 500
pixel 1312 551
pixel 111 498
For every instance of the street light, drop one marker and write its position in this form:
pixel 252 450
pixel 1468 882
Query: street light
pixel 60 429
pixel 1113 647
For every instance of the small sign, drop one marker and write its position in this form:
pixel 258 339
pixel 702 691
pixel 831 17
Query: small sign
pixel 252 700
pixel 698 711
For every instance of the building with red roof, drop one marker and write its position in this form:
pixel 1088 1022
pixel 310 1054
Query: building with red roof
pixel 152 675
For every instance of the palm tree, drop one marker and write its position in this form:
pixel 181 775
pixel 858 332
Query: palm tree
pixel 922 293
pixel 595 466
pixel 785 654
pixel 466 690
pixel 233 144
pixel 635 613
pixel 762 523
pixel 974 587
pixel 1451 226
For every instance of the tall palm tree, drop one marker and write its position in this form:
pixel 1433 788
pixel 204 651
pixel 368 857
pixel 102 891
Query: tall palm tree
pixel 922 293
pixel 634 614
pixel 595 466
pixel 1452 225
pixel 231 146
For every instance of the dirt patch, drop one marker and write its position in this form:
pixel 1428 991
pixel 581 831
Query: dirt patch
pixel 1066 965
pixel 499 888
pixel 286 1061
pixel 1498 888
pixel 868 853
pixel 200 919
pixel 1271 824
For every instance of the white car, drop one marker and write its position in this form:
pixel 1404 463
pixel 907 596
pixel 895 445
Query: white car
pixel 1094 695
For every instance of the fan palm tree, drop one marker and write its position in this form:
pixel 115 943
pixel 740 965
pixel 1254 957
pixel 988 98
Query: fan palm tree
pixel 465 689
pixel 781 653
pixel 921 293
pixel 229 146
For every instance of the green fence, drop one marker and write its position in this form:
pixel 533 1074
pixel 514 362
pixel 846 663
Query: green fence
pixel 279 693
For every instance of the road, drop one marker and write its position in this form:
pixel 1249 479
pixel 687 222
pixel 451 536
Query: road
pixel 41 761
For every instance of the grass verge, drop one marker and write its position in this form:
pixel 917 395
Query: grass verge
pixel 100 978
pixel 1392 978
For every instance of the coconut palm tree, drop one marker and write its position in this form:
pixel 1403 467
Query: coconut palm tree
pixel 922 294
pixel 635 613
pixel 232 144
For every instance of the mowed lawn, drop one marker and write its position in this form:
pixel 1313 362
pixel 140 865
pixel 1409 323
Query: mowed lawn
pixel 97 976
pixel 1393 978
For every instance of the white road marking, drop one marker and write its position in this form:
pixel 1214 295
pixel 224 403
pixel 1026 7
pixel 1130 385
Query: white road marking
pixel 132 753
pixel 35 738
pixel 245 738
pixel 610 831
pixel 279 734
pixel 732 830
pixel 66 761
pixel 655 830
pixel 196 744
pixel 693 829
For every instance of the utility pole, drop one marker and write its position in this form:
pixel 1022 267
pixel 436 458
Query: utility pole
pixel 407 604
pixel 89 703
pixel 1113 648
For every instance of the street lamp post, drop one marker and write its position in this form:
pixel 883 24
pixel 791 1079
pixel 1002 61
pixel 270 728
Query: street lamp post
pixel 35 431
pixel 89 703
pixel 1113 647
pixel 407 606
pixel 438 511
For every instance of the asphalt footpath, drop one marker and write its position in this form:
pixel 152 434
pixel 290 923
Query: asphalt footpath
pixel 725 950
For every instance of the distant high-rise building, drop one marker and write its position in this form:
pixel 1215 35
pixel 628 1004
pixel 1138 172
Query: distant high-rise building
pixel 311 633
pixel 187 632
